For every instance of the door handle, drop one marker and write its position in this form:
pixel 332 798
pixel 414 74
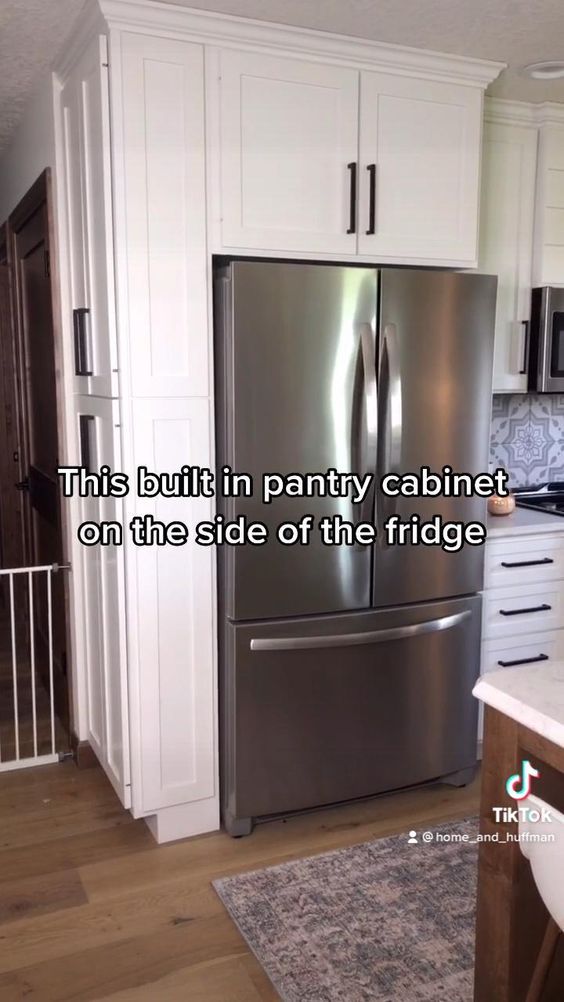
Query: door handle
pixel 523 661
pixel 353 168
pixel 518 612
pixel 82 362
pixel 391 399
pixel 22 485
pixel 371 200
pixel 359 639
pixel 527 563
pixel 526 348
pixel 85 423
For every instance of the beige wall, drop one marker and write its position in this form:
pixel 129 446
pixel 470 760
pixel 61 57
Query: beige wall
pixel 31 150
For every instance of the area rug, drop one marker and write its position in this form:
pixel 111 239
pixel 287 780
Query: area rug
pixel 385 921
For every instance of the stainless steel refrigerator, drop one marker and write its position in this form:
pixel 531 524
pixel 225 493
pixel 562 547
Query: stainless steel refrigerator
pixel 346 671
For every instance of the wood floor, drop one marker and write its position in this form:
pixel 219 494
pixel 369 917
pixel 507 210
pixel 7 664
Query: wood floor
pixel 92 908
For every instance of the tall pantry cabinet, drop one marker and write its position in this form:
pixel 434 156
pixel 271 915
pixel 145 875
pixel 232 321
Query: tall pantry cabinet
pixel 183 134
pixel 133 203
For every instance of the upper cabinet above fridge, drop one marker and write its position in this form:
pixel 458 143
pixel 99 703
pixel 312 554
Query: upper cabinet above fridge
pixel 329 160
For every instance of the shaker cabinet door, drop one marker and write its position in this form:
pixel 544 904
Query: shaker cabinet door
pixel 101 647
pixel 88 209
pixel 288 131
pixel 419 156
pixel 506 243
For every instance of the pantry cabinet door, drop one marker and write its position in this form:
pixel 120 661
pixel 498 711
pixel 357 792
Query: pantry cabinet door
pixel 88 206
pixel 288 131
pixel 103 645
pixel 420 162
pixel 161 175
pixel 171 619
pixel 506 243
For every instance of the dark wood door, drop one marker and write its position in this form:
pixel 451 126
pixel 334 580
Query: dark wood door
pixel 39 432
pixel 11 536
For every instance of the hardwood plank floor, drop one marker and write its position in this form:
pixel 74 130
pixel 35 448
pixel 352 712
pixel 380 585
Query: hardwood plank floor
pixel 91 908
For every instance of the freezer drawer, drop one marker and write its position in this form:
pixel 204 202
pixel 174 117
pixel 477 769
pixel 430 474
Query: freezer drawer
pixel 331 708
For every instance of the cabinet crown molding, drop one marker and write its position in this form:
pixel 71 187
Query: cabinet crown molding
pixel 506 112
pixel 211 28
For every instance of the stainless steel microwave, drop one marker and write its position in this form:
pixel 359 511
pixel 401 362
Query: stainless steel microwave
pixel 546 341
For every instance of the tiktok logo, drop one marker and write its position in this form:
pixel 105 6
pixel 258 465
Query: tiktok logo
pixel 519 786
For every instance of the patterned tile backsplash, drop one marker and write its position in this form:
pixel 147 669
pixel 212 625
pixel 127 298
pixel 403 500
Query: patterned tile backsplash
pixel 527 437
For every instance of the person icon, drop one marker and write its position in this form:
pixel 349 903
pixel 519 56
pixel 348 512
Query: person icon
pixel 413 840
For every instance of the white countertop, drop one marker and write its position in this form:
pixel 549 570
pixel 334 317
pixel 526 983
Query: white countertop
pixel 523 521
pixel 533 695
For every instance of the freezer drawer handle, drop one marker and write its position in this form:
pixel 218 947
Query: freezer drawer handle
pixel 357 639
pixel 518 612
pixel 523 661
pixel 527 563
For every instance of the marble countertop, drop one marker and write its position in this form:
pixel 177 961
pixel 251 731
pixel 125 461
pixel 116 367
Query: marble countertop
pixel 533 695
pixel 523 521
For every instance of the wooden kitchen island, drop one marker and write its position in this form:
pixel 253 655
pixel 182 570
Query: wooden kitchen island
pixel 524 720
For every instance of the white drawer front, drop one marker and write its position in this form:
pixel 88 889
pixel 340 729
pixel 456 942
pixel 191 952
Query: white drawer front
pixel 522 560
pixel 523 609
pixel 530 648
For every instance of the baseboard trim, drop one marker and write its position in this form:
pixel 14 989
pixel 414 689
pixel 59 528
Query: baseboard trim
pixel 82 753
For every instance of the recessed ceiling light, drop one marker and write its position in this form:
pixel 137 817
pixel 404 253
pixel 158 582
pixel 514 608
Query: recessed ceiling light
pixel 552 70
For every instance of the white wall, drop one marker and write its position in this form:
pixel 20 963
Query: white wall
pixel 31 150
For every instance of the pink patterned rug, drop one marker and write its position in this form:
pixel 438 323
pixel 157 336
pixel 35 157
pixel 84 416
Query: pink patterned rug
pixel 384 921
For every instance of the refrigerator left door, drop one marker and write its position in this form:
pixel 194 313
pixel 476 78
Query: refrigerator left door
pixel 295 363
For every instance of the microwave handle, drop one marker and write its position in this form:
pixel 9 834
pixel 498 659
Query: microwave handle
pixel 526 348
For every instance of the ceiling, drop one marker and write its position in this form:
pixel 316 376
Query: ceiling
pixel 516 32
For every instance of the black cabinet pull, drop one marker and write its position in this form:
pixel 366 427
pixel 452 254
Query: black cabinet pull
pixel 527 563
pixel 523 661
pixel 85 423
pixel 353 168
pixel 526 348
pixel 517 612
pixel 372 201
pixel 82 365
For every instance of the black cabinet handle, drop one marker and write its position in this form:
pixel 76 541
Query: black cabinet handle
pixel 372 201
pixel 82 365
pixel 353 168
pixel 526 348
pixel 523 661
pixel 517 612
pixel 85 423
pixel 527 563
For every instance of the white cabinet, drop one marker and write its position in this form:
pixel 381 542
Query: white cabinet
pixel 172 625
pixel 523 601
pixel 88 210
pixel 102 572
pixel 506 242
pixel 167 422
pixel 420 155
pixel 288 131
pixel 548 268
pixel 323 159
pixel 163 189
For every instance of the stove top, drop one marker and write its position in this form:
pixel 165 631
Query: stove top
pixel 547 497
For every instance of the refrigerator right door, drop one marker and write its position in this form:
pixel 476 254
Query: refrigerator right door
pixel 434 408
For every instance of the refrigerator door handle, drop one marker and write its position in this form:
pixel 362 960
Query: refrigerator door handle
pixel 393 399
pixel 368 349
pixel 357 639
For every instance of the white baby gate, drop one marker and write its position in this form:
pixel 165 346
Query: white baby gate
pixel 28 728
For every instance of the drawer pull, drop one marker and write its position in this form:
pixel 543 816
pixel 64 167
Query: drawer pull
pixel 527 563
pixel 518 612
pixel 523 661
